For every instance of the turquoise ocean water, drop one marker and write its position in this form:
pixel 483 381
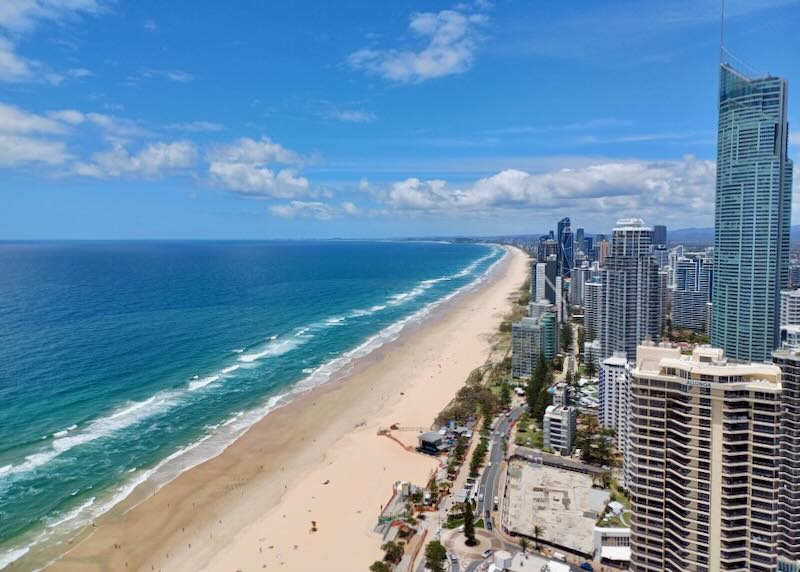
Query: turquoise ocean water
pixel 127 361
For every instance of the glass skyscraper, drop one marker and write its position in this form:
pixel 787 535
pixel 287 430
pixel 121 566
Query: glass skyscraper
pixel 753 211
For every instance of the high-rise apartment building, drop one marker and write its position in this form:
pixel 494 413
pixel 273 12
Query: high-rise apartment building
pixel 790 307
pixel 752 217
pixel 592 309
pixel 660 235
pixel 704 458
pixel 692 291
pixel 789 493
pixel 632 301
pixel 613 400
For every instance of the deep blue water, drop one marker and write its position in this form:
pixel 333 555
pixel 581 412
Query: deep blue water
pixel 115 356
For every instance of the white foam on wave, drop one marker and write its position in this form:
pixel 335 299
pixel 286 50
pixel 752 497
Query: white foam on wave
pixel 196 384
pixel 7 558
pixel 74 513
pixel 274 348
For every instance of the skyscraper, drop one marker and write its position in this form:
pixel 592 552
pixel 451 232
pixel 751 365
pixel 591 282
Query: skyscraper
pixel 632 306
pixel 693 279
pixel 753 212
pixel 704 460
pixel 789 494
pixel 660 235
pixel 566 248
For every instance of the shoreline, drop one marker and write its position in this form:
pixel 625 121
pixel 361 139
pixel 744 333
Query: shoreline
pixel 206 517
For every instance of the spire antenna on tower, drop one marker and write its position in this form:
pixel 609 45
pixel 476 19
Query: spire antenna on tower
pixel 722 32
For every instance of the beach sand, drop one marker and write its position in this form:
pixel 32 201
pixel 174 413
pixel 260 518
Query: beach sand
pixel 316 459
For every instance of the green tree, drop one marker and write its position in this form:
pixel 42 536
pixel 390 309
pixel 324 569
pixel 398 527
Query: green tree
pixel 394 552
pixel 538 531
pixel 566 336
pixel 591 369
pixel 545 398
pixel 524 545
pixel 536 382
pixel 379 566
pixel 581 340
pixel 594 441
pixel 435 555
pixel 505 395
pixel 469 525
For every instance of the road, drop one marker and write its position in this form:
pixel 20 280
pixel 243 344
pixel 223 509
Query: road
pixel 489 479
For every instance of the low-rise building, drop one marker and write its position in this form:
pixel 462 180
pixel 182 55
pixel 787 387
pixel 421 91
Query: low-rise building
pixel 560 422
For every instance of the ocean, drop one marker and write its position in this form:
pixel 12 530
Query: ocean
pixel 127 362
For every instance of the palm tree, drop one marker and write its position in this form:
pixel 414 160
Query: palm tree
pixel 524 545
pixel 538 531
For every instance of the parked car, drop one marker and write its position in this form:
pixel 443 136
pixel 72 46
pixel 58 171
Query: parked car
pixel 586 566
pixel 486 553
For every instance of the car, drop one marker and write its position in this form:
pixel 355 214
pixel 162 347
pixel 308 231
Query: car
pixel 486 553
pixel 586 566
pixel 461 528
pixel 453 558
pixel 480 497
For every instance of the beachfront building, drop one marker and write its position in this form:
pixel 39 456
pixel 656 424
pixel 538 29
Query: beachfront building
pixel 533 336
pixel 752 214
pixel 704 459
pixel 789 496
pixel 632 306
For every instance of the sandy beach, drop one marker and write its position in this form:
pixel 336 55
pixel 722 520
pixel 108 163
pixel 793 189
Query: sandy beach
pixel 316 459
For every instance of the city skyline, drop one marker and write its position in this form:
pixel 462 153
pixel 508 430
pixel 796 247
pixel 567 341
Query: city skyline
pixel 119 122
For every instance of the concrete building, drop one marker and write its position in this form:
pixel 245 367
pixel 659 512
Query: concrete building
pixel 789 495
pixel 592 309
pixel 794 276
pixel 790 307
pixel 752 214
pixel 692 291
pixel 532 336
pixel 580 276
pixel 632 301
pixel 704 457
pixel 560 425
pixel 613 396
pixel 565 248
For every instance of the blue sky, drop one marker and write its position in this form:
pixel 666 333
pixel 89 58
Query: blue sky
pixel 200 119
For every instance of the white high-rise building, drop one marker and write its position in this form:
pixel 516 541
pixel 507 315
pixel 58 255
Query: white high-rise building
pixel 704 449
pixel 632 301
pixel 790 307
pixel 613 399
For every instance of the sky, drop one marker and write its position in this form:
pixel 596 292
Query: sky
pixel 198 119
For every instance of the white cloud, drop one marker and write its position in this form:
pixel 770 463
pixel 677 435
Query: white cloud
pixel 170 74
pixel 18 16
pixel 16 150
pixel 350 208
pixel 22 15
pixel 304 209
pixel 247 150
pixel 608 188
pixel 451 38
pixel 252 179
pixel 354 116
pixel 152 161
pixel 13 67
pixel 248 166
pixel 16 120
pixel 196 127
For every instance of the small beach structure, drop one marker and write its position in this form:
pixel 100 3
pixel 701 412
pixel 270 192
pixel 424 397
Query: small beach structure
pixel 432 443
